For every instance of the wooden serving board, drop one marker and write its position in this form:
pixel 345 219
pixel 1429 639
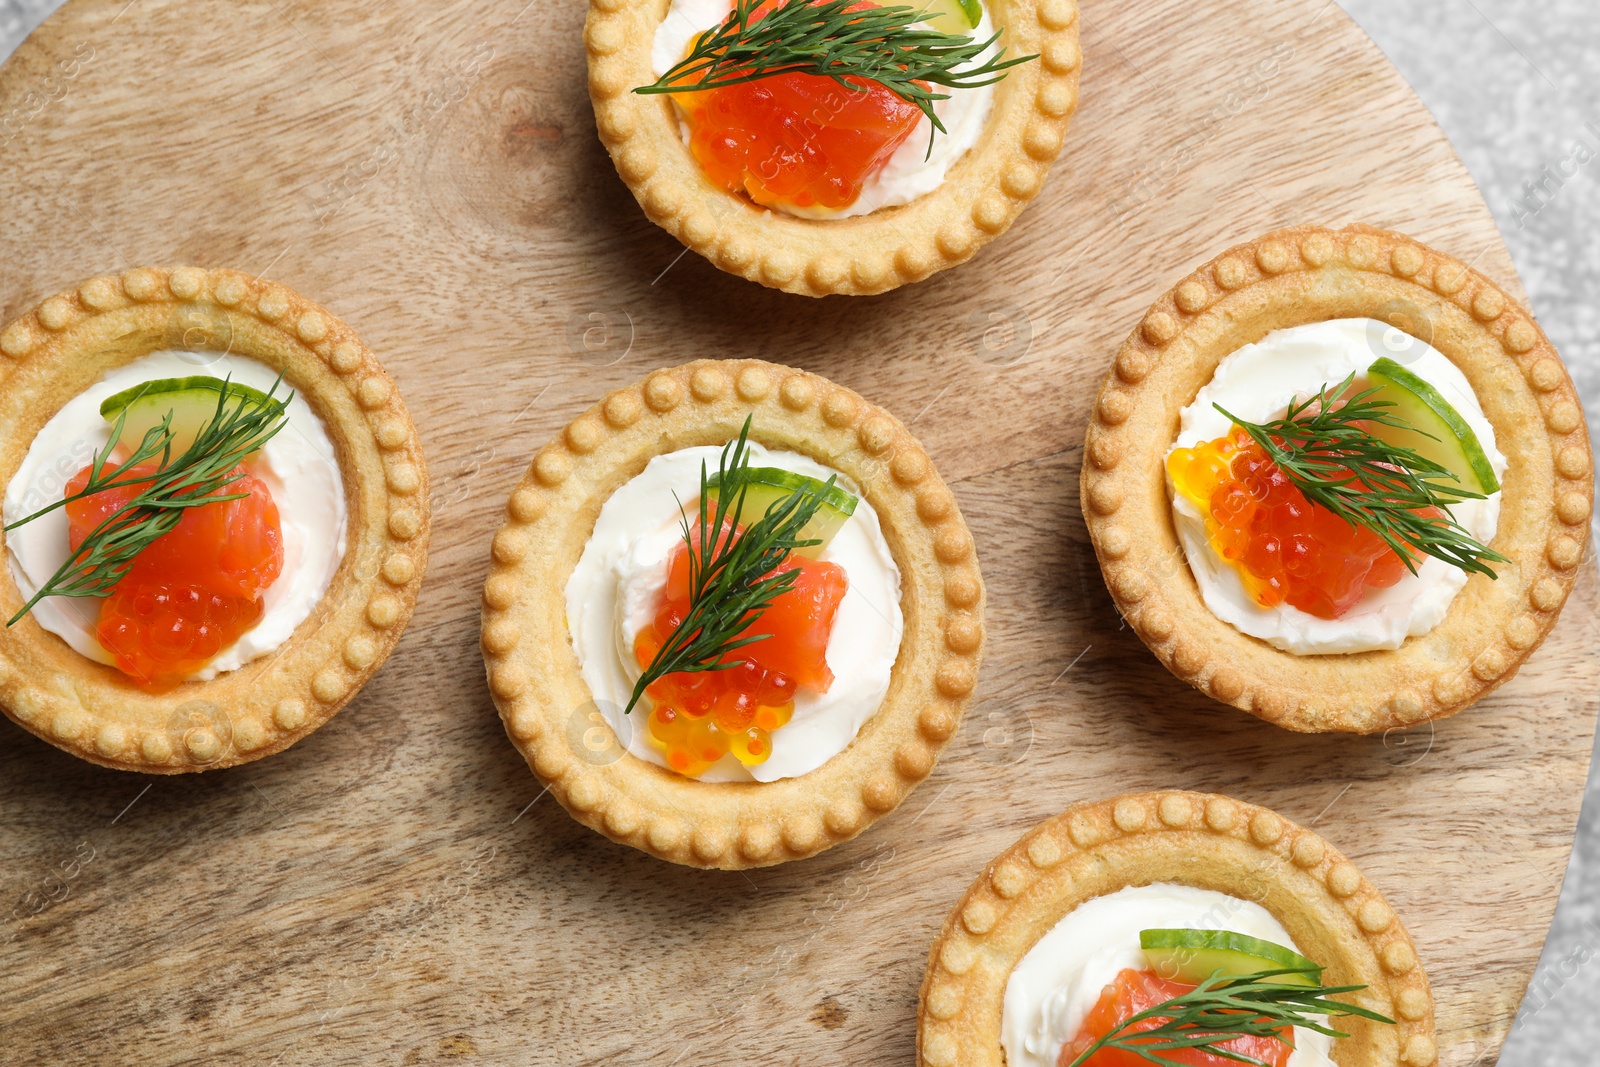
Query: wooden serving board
pixel 394 889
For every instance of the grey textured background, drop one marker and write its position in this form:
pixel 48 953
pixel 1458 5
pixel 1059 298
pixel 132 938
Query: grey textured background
pixel 1514 85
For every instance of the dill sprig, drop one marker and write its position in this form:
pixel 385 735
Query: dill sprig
pixel 733 577
pixel 1223 1008
pixel 188 480
pixel 886 45
pixel 1327 453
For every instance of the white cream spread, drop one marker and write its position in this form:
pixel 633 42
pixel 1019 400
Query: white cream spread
pixel 910 172
pixel 1055 986
pixel 1257 383
pixel 299 465
pixel 616 587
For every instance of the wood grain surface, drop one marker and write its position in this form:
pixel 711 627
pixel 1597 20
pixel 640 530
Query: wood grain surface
pixel 394 889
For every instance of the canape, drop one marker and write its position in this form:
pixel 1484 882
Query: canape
pixel 1172 920
pixel 833 146
pixel 146 630
pixel 1339 480
pixel 757 694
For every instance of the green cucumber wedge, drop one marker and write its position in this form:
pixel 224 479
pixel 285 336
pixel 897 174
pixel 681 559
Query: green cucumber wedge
pixel 765 486
pixel 1440 433
pixel 192 403
pixel 952 16
pixel 1192 956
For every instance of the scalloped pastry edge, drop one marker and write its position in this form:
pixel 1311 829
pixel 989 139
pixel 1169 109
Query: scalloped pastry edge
pixel 330 656
pixel 979 200
pixel 533 672
pixel 1124 499
pixel 959 1004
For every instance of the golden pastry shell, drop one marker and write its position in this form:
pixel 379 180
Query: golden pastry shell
pixel 548 709
pixel 1308 274
pixel 981 196
pixel 1332 913
pixel 54 352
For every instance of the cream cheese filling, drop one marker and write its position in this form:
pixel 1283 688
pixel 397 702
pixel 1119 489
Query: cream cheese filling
pixel 1053 988
pixel 909 173
pixel 1256 383
pixel 615 588
pixel 299 465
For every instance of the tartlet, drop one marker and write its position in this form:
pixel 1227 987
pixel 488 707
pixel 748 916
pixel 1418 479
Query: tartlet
pixel 1195 839
pixel 1308 274
pixel 534 673
pixel 57 350
pixel 981 196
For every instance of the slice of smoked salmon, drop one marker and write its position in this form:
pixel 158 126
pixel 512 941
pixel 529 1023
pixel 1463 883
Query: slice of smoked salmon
pixel 193 591
pixel 797 140
pixel 1134 991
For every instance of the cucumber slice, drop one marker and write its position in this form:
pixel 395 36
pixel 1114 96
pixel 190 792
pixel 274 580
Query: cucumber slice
pixel 192 402
pixel 951 16
pixel 1194 955
pixel 1452 443
pixel 764 486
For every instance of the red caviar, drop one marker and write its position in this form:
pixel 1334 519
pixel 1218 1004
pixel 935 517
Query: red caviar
pixel 796 140
pixel 195 590
pixel 1134 991
pixel 1287 549
pixel 699 717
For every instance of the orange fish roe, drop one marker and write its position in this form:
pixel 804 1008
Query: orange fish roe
pixel 195 590
pixel 1134 991
pixel 1287 549
pixel 161 633
pixel 796 140
pixel 698 717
